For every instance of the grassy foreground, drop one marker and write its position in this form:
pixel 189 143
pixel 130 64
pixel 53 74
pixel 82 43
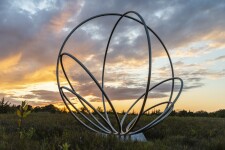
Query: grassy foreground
pixel 54 131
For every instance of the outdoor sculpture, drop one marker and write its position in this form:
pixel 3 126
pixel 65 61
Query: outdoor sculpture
pixel 107 127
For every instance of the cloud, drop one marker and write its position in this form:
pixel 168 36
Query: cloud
pixel 2 95
pixel 193 86
pixel 123 92
pixel 32 33
pixel 220 58
pixel 217 59
pixel 194 74
pixel 192 18
pixel 194 79
pixel 38 97
pixel 46 95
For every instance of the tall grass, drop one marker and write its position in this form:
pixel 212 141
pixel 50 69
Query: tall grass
pixel 52 131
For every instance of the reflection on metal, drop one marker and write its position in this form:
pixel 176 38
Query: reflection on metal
pixel 102 122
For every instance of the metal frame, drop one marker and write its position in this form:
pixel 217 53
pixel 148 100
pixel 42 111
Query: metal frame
pixel 108 128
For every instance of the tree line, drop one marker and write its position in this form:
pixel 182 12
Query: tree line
pixel 6 107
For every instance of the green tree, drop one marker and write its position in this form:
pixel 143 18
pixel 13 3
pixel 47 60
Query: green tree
pixel 4 106
pixel 50 108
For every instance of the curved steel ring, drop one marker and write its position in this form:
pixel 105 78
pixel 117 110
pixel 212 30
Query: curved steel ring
pixel 109 128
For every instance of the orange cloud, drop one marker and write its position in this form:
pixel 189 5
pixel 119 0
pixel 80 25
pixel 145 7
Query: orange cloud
pixel 44 74
pixel 58 22
pixel 9 62
pixel 9 80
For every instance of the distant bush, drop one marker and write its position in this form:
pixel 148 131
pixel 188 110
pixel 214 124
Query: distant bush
pixel 48 108
pixel 201 113
pixel 5 107
pixel 219 113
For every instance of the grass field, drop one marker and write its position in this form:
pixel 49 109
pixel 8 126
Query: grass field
pixel 52 131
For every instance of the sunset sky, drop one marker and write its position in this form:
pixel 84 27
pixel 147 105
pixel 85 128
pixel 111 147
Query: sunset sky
pixel 32 32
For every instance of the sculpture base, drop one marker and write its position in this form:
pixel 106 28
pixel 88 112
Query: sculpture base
pixel 140 137
pixel 135 137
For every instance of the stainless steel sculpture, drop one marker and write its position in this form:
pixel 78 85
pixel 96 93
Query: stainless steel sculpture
pixel 106 127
